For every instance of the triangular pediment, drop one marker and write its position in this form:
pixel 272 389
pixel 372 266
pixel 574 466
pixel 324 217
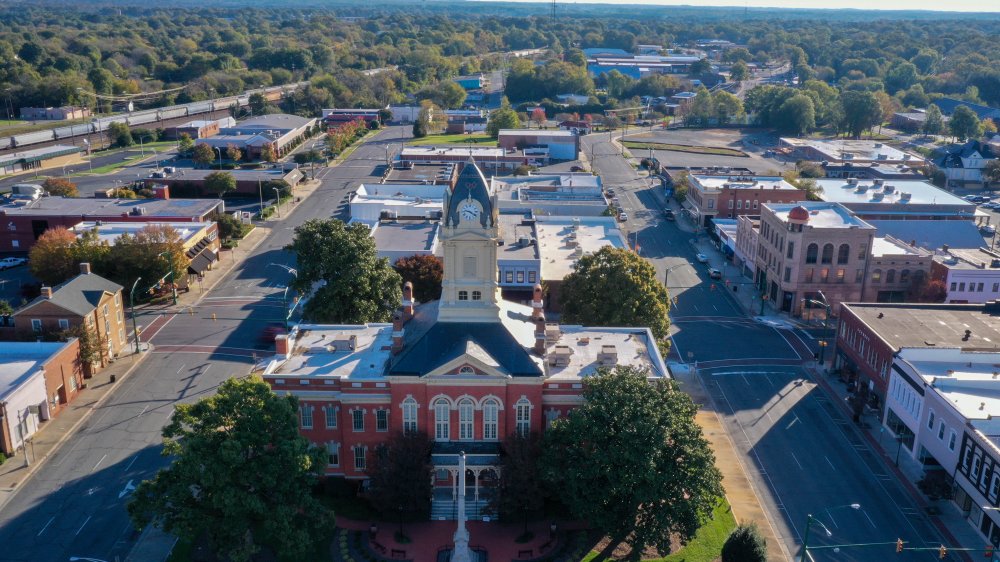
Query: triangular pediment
pixel 475 357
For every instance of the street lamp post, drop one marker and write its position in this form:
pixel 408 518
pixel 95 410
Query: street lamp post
pixel 277 201
pixel 284 296
pixel 173 275
pixel 822 349
pixel 220 156
pixel 666 273
pixel 810 520
pixel 131 303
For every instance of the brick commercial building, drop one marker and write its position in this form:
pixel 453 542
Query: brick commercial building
pixel 37 380
pixel 468 369
pixel 88 300
pixel 728 196
pixel 21 225
pixel 188 182
pixel 870 335
pixel 809 253
pixel 281 131
pixel 200 129
pixel 879 199
pixel 54 113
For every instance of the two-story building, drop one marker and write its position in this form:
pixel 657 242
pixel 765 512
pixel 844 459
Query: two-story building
pixel 728 197
pixel 970 275
pixel 468 369
pixel 963 164
pixel 87 300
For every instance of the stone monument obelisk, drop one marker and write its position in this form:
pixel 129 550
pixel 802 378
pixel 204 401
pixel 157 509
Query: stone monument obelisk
pixel 461 552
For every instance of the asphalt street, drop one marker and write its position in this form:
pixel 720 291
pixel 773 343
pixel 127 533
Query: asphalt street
pixel 800 452
pixel 808 458
pixel 74 505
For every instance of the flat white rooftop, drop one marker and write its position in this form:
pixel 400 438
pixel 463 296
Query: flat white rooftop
pixel 477 153
pixel 111 231
pixel 821 215
pixel 882 246
pixel 563 240
pixel 313 356
pixel 854 150
pixel 969 380
pixel 538 133
pixel 632 346
pixel 20 360
pixel 716 183
pixel 867 191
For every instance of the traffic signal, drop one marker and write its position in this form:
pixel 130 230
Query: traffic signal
pixel 942 552
pixel 989 552
pixel 899 546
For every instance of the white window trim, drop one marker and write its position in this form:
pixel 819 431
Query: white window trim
pixel 354 426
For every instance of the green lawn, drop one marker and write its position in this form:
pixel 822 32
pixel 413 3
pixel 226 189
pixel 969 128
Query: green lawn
pixel 714 150
pixel 481 138
pixel 706 546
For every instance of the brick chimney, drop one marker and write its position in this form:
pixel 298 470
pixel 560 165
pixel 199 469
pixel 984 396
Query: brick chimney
pixel 407 301
pixel 537 303
pixel 539 334
pixel 397 332
pixel 84 268
pixel 282 345
pixel 46 292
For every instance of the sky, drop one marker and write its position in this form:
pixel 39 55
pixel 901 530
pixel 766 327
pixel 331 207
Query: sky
pixel 945 5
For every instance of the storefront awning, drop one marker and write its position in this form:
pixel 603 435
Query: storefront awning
pixel 202 262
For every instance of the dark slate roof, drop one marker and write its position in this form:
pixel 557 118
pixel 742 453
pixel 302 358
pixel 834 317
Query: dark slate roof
pixel 80 295
pixel 952 157
pixel 948 105
pixel 490 342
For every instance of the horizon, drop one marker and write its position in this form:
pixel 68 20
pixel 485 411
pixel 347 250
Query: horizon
pixel 964 6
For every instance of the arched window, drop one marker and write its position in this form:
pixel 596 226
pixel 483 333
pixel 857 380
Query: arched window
pixel 441 422
pixel 522 412
pixel 477 296
pixel 877 276
pixel 811 253
pixel 466 370
pixel 465 413
pixel 890 276
pixel 904 276
pixel 463 295
pixel 827 253
pixel 409 415
pixel 843 253
pixel 490 413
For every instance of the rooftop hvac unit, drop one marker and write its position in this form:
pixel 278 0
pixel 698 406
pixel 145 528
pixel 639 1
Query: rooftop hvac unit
pixel 852 181
pixel 905 196
pixel 877 196
pixel 524 241
pixel 889 188
pixel 861 189
pixel 882 157
pixel 878 182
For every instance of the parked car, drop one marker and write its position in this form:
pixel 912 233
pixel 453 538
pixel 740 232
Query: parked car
pixel 714 273
pixel 8 263
pixel 987 230
pixel 576 169
pixel 702 258
pixel 623 217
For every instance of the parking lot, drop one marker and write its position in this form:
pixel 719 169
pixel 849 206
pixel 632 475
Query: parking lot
pixel 12 281
pixel 754 143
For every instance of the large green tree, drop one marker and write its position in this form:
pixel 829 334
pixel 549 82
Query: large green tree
pixel 615 287
pixel 797 115
pixel 521 491
pixel 240 474
pixel 965 124
pixel 991 171
pixel 400 475
pixel 203 155
pixel 220 183
pixel 933 121
pixel 632 462
pixel 503 118
pixel 862 111
pixel 352 284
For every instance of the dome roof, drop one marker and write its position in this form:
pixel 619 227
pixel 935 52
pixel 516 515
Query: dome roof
pixel 799 213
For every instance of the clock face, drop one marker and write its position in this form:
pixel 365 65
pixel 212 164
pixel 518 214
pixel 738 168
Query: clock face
pixel 469 211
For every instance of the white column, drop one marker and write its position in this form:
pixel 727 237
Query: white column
pixel 454 484
pixel 475 482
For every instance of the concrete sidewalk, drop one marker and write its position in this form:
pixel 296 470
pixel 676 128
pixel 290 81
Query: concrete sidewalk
pixel 743 499
pixel 16 472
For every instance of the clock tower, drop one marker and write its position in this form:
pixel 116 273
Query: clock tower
pixel 469 235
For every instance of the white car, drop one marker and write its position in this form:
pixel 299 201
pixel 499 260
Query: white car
pixel 8 263
pixel 987 230
pixel 702 258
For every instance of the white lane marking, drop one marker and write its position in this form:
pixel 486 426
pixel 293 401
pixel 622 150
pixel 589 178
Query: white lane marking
pixel 128 489
pixel 99 462
pixel 82 526
pixel 869 519
pixel 143 411
pixel 51 519
pixel 135 458
pixel 829 463
pixel 797 461
pixel 181 368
